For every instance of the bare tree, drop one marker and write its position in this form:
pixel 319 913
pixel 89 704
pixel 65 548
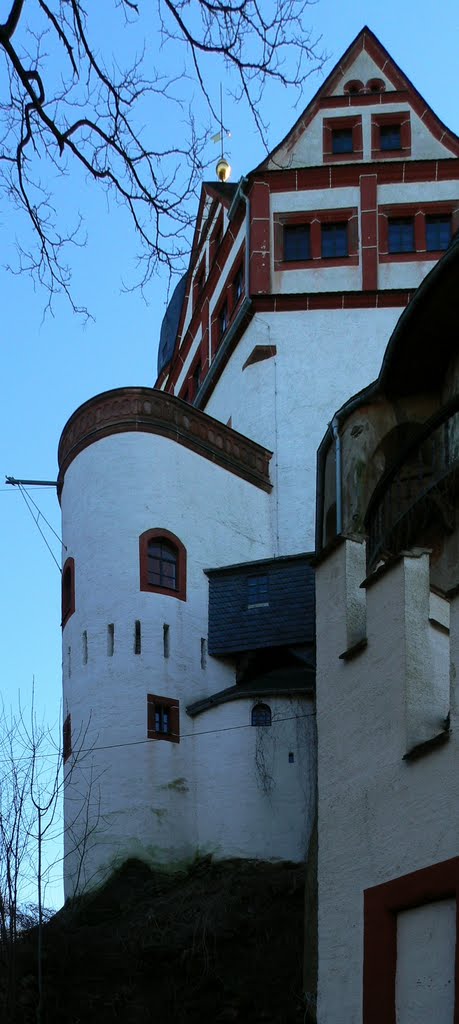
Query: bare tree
pixel 66 100
pixel 32 777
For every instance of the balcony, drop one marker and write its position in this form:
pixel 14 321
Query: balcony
pixel 415 500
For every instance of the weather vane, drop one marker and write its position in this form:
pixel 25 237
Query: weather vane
pixel 223 167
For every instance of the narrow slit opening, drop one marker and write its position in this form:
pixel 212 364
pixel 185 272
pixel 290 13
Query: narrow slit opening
pixel 166 640
pixel 137 637
pixel 203 652
pixel 110 639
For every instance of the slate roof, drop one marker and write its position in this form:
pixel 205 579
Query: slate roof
pixel 287 618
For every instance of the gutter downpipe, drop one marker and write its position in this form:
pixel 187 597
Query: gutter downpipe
pixel 339 501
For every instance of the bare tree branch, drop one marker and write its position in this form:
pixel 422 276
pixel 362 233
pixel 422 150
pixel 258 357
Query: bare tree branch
pixel 73 105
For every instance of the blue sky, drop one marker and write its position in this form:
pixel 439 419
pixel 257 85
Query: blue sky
pixel 49 367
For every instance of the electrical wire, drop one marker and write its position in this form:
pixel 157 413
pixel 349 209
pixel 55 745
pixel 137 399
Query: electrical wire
pixel 183 736
pixel 24 493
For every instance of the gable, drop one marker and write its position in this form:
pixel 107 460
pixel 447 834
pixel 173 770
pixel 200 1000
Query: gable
pixel 363 86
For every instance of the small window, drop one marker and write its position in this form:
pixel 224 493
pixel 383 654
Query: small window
pixel 401 234
pixel 342 140
pixel 438 232
pixel 68 590
pixel 223 319
pixel 67 739
pixel 257 592
pixel 334 240
pixel 163 719
pixel 261 715
pixel 197 374
pixel 162 563
pixel 376 85
pixel 390 136
pixel 238 285
pixel 297 242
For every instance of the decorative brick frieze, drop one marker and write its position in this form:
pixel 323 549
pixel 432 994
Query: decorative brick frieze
pixel 155 412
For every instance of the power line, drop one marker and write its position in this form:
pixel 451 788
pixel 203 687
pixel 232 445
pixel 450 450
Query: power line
pixel 183 736
pixel 24 493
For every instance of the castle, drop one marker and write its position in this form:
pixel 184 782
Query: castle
pixel 189 509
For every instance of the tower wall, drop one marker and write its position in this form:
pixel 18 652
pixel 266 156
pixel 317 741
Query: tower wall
pixel 141 791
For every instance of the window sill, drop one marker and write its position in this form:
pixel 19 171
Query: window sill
pixel 317 264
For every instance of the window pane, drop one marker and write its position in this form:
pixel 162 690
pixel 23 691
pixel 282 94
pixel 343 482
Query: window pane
pixel 342 140
pixel 334 240
pixel 261 714
pixel 297 242
pixel 257 590
pixel 401 234
pixel 438 232
pixel 390 136
pixel 162 565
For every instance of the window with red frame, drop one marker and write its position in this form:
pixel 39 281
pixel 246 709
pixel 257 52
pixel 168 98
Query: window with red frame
pixel 238 284
pixel 316 238
pixel 68 589
pixel 162 563
pixel 163 719
pixel 223 320
pixel 390 135
pixel 413 232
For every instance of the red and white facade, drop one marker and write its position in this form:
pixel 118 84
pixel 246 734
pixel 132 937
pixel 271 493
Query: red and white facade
pixel 296 280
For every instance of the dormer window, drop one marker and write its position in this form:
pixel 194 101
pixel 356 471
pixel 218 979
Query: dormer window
pixel 390 135
pixel 342 140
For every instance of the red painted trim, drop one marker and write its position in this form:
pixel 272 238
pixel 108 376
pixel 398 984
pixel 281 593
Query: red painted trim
pixel 159 534
pixel 328 127
pixel 418 212
pixel 367 41
pixel 401 119
pixel 68 590
pixel 259 257
pixel 382 903
pixel 369 231
pixel 315 218
pixel 174 711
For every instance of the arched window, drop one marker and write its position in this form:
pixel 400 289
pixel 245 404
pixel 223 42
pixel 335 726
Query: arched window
pixel 261 714
pixel 68 590
pixel 162 563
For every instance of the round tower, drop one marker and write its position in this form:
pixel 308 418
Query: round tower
pixel 154 493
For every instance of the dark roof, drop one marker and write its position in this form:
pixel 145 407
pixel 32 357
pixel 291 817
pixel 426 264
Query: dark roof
pixel 425 337
pixel 224 189
pixel 170 324
pixel 279 683
pixel 306 556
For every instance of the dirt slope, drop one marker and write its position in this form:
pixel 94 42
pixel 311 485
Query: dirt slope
pixel 221 942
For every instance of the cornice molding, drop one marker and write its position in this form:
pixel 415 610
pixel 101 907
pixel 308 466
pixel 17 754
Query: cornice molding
pixel 146 410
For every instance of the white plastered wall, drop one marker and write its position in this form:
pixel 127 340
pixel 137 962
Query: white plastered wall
pixel 380 816
pixel 283 402
pixel 152 798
